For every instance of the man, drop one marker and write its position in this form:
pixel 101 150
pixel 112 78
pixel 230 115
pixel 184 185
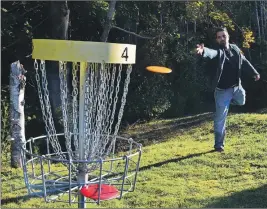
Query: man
pixel 230 62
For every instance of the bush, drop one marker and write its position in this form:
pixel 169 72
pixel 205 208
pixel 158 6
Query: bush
pixel 5 121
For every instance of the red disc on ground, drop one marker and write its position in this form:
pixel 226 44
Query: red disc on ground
pixel 107 191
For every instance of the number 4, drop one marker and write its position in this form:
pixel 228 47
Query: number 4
pixel 125 53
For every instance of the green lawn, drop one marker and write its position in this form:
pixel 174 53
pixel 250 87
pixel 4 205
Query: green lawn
pixel 178 168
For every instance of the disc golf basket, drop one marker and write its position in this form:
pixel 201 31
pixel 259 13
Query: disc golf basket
pixel 89 162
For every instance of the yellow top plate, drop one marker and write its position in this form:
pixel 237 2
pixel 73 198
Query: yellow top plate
pixel 83 51
pixel 159 69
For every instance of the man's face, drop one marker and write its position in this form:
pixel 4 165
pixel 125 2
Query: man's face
pixel 222 38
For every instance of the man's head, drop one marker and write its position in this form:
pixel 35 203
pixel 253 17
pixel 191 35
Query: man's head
pixel 222 37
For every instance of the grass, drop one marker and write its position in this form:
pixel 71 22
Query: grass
pixel 178 168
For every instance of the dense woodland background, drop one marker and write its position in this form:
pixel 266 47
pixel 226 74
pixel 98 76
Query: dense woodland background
pixel 165 33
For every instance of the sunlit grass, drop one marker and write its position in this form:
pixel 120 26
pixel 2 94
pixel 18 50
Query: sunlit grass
pixel 178 170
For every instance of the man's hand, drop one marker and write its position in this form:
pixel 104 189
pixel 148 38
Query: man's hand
pixel 257 77
pixel 200 49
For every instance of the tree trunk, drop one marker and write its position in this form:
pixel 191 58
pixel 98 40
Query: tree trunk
pixel 107 26
pixel 265 17
pixel 250 19
pixel 136 25
pixel 258 25
pixel 187 36
pixel 59 19
pixel 161 27
pixel 17 120
pixel 257 19
pixel 262 19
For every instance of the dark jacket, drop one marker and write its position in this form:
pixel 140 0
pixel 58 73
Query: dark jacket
pixel 219 57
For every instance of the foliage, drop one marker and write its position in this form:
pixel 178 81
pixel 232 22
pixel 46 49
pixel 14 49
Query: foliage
pixel 5 120
pixel 248 37
pixel 30 118
pixel 223 19
pixel 174 27
pixel 196 10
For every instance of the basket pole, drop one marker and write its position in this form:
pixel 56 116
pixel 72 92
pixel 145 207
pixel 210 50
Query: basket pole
pixel 82 174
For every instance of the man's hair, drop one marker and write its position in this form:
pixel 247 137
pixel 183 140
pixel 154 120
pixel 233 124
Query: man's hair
pixel 220 29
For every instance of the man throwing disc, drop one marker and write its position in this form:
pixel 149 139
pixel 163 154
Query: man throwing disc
pixel 230 62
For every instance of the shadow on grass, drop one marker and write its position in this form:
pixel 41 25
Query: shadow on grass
pixel 8 176
pixel 39 195
pixel 161 132
pixel 252 198
pixel 158 164
pixel 174 160
pixel 17 199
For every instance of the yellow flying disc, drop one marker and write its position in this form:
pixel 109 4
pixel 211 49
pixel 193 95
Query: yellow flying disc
pixel 158 69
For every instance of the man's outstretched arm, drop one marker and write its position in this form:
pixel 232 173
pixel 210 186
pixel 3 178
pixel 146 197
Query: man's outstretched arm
pixel 249 69
pixel 206 52
pixel 246 66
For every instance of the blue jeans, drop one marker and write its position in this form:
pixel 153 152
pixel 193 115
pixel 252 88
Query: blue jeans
pixel 223 99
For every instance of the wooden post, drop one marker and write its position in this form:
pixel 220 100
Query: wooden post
pixel 17 120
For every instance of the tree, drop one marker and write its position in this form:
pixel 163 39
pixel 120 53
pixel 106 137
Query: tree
pixel 17 119
pixel 59 21
pixel 108 23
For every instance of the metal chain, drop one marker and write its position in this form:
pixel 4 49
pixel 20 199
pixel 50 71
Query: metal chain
pixel 95 101
pixel 107 127
pixel 87 109
pixel 93 140
pixel 90 143
pixel 52 132
pixel 91 106
pixel 102 87
pixel 75 92
pixel 123 99
pixel 104 136
pixel 64 105
pixel 40 94
pixel 95 97
pixel 47 114
pixel 101 93
pixel 115 100
pixel 106 96
pixel 113 112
